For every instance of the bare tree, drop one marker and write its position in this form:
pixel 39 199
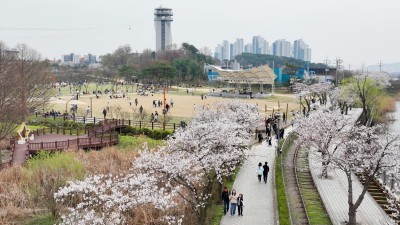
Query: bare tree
pixel 33 79
pixel 9 110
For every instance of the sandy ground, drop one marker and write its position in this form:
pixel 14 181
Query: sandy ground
pixel 184 104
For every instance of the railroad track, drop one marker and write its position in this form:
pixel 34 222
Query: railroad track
pixel 314 209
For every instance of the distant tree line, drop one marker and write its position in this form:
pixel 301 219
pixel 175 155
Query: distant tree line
pixel 276 61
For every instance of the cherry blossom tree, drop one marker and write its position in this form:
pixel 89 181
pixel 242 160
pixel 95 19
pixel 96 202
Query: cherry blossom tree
pixel 352 149
pixel 309 93
pixel 183 171
pixel 319 131
pixel 367 151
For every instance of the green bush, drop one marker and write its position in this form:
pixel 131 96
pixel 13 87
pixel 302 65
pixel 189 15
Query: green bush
pixel 154 134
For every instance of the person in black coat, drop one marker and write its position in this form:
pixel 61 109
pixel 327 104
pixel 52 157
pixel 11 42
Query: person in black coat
pixel 225 199
pixel 240 204
pixel 265 173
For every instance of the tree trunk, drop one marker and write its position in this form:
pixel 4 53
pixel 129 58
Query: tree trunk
pixel 352 216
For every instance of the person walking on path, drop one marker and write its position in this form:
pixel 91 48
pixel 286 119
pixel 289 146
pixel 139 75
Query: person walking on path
pixel 259 171
pixel 225 199
pixel 265 173
pixel 240 205
pixel 104 113
pixel 233 201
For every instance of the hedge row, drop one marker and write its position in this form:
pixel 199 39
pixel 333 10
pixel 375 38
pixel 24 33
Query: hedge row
pixel 154 134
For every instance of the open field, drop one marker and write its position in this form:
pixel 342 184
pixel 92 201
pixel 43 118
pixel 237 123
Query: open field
pixel 184 108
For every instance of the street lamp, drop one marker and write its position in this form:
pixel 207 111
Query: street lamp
pixel 278 117
pixel 91 108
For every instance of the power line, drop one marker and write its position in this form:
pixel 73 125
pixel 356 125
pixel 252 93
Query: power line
pixel 54 29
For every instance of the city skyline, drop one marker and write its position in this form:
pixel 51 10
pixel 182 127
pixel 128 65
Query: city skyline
pixel 358 32
pixel 298 50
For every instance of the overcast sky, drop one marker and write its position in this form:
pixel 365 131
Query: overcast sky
pixel 358 31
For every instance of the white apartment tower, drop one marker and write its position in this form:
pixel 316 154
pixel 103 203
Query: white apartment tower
pixel 301 50
pixel 282 48
pixel 162 23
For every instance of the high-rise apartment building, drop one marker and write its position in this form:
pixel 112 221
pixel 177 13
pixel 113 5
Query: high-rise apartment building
pixel 301 50
pixel 260 45
pixel 162 23
pixel 281 48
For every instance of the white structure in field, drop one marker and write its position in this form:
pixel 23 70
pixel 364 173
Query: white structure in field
pixel 162 23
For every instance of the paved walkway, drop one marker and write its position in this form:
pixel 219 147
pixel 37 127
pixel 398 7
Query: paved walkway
pixel 259 198
pixel 333 192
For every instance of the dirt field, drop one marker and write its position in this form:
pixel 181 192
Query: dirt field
pixel 184 104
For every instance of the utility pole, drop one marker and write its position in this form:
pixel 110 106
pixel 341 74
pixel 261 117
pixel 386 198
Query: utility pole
pixel 362 68
pixel 326 65
pixel 380 65
pixel 338 64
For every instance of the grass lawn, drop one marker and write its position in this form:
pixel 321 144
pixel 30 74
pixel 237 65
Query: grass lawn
pixel 42 219
pixel 136 142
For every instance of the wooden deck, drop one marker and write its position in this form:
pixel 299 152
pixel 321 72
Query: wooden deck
pixel 58 139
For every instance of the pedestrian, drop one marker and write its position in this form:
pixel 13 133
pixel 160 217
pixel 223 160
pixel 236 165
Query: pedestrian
pixel 240 205
pixel 36 113
pixel 233 201
pixel 172 103
pixel 259 171
pixel 88 111
pixel 130 102
pixel 104 113
pixel 260 137
pixel 194 106
pixel 136 101
pixel 284 117
pixel 152 118
pixel 225 199
pixel 141 109
pixel 156 117
pixel 270 140
pixel 265 172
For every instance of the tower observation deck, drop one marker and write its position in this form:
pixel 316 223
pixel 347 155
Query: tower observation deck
pixel 162 24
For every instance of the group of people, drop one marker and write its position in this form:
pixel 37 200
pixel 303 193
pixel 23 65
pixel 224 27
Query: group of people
pixel 232 200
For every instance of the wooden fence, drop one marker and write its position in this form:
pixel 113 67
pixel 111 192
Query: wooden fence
pixel 80 143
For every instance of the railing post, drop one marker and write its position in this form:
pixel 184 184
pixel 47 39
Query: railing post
pixel 41 145
pixel 94 120
pixel 56 144
pixel 140 124
pixel 152 125
pixel 84 120
pixel 68 143
pixel 51 129
pixel 174 126
pixel 129 122
pixel 77 142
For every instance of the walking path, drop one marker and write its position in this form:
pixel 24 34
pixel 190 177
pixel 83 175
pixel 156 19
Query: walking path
pixel 259 198
pixel 333 192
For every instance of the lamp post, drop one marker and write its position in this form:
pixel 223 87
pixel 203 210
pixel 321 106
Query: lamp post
pixel 91 108
pixel 277 146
